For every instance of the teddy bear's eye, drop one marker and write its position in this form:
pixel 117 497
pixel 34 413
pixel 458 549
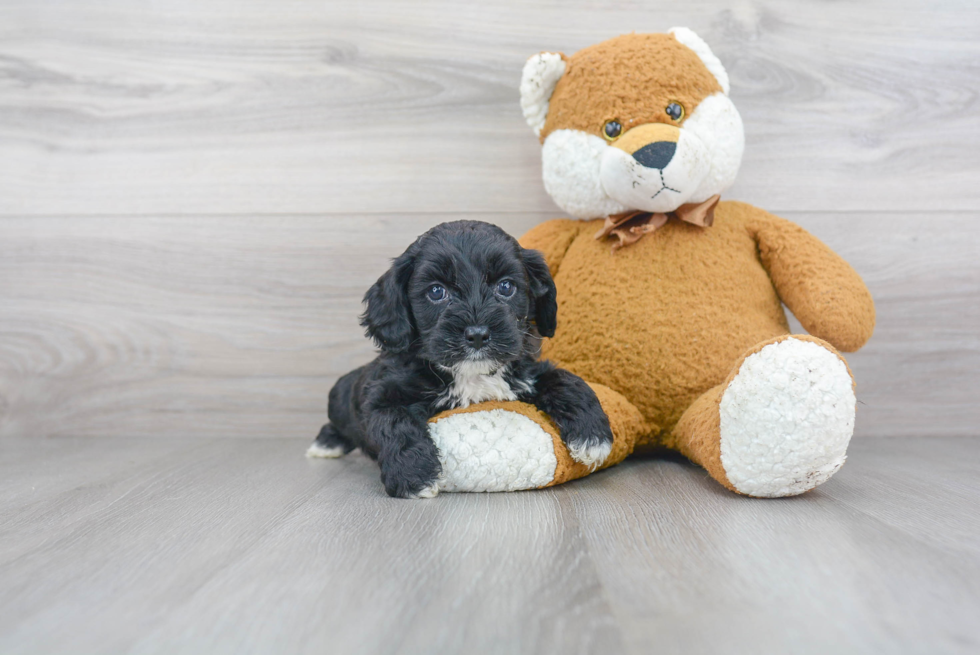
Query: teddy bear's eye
pixel 612 129
pixel 675 111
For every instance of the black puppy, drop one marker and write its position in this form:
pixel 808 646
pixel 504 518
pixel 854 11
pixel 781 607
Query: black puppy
pixel 454 319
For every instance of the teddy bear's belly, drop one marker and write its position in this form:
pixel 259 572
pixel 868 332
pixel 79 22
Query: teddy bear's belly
pixel 664 320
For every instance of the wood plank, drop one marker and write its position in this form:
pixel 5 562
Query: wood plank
pixel 249 107
pixel 244 546
pixel 690 568
pixel 201 325
pixel 61 468
pixel 238 325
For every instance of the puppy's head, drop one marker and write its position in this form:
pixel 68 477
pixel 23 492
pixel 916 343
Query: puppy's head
pixel 464 291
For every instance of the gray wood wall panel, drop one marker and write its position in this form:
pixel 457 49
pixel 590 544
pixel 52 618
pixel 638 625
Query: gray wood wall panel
pixel 293 106
pixel 194 195
pixel 237 325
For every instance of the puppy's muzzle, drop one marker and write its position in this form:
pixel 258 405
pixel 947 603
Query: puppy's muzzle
pixel 476 336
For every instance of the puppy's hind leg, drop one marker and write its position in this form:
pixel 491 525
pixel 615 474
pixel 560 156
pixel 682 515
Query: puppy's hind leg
pixel 329 443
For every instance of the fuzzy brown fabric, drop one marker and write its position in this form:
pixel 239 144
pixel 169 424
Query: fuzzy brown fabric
pixel 635 138
pixel 665 320
pixel 665 324
pixel 627 424
pixel 631 79
pixel 697 435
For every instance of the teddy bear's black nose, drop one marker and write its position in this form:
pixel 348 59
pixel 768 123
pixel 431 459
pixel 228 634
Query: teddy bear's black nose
pixel 657 154
pixel 475 336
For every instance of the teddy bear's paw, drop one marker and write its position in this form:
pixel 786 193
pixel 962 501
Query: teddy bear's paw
pixel 786 419
pixel 493 450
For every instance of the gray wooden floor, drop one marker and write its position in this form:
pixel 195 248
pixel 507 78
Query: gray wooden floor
pixel 243 546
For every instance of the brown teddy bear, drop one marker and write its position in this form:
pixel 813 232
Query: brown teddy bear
pixel 670 300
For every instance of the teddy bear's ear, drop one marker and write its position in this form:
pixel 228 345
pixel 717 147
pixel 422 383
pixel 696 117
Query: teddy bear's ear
pixel 541 74
pixel 696 43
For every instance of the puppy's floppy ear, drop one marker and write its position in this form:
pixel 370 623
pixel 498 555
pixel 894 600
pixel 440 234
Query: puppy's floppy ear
pixel 543 293
pixel 388 317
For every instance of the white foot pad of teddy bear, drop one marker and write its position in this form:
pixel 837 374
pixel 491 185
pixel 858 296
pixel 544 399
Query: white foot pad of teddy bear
pixel 786 419
pixel 493 450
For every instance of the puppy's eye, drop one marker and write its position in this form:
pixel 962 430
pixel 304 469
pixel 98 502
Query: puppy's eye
pixel 436 293
pixel 675 111
pixel 612 129
pixel 505 288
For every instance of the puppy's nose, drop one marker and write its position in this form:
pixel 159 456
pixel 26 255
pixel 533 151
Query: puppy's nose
pixel 656 155
pixel 475 336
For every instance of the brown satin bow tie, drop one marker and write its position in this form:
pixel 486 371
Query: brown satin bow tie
pixel 629 227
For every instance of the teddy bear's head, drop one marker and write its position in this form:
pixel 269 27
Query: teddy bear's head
pixel 639 122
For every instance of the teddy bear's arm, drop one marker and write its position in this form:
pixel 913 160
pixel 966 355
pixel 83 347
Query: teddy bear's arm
pixel 553 239
pixel 819 287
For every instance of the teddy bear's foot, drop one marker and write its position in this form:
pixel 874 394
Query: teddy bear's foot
pixel 786 419
pixel 509 446
pixel 780 425
pixel 496 449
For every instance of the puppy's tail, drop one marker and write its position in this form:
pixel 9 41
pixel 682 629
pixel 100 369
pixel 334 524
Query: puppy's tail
pixel 329 443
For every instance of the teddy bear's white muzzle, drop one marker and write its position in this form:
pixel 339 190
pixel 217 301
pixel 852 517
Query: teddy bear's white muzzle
pixel 659 177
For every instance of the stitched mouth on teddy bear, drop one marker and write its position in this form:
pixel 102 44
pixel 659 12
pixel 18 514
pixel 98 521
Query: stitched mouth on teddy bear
pixel 660 182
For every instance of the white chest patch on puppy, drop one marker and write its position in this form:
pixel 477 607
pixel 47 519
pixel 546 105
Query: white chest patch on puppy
pixel 475 382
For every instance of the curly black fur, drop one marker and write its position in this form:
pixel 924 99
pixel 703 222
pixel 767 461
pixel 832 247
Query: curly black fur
pixel 431 346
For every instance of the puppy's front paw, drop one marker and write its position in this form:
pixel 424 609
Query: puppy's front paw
pixel 411 477
pixel 592 455
pixel 401 488
pixel 428 492
pixel 589 442
pixel 319 450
